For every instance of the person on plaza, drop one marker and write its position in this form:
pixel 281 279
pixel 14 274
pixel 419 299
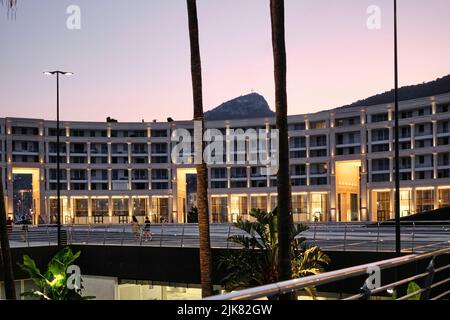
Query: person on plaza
pixel 135 227
pixel 9 224
pixel 146 235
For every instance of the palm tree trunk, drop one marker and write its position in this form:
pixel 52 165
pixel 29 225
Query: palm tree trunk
pixel 8 276
pixel 202 182
pixel 284 207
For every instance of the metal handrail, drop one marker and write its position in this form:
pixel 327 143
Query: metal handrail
pixel 346 237
pixel 294 285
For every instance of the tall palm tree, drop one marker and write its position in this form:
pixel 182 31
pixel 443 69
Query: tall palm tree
pixel 202 182
pixel 5 256
pixel 284 208
pixel 6 260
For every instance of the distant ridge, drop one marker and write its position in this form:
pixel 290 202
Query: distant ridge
pixel 426 89
pixel 249 106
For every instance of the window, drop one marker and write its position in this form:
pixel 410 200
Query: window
pixel 139 208
pixel 81 207
pixel 300 207
pixel 219 209
pixel 120 207
pixel 383 206
pixel 239 207
pixel 100 207
pixel 259 202
pixel 444 198
pixel 424 200
pixel 160 210
pixel 319 206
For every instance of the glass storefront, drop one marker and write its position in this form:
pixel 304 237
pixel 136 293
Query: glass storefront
pixel 139 208
pixel 259 202
pixel 319 206
pixel 444 198
pixel 424 200
pixel 219 210
pixel 239 208
pixel 300 207
pixel 100 209
pixel 383 206
pixel 160 210
pixel 405 203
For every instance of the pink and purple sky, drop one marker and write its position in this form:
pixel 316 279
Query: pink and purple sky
pixel 131 58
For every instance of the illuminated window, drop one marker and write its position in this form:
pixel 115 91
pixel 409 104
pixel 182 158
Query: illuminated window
pixel 259 202
pixel 300 207
pixel 219 209
pixel 81 207
pixel 405 203
pixel 319 206
pixel 383 206
pixel 139 207
pixel 160 210
pixel 120 207
pixel 424 200
pixel 444 198
pixel 239 208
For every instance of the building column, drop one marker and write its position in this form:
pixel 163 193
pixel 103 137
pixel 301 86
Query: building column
pixel 434 124
pixel 110 209
pixel 413 207
pixel 88 146
pixel 391 169
pixel 392 204
pixel 435 165
pixel 333 209
pixel 391 139
pixel 308 174
pixel 436 198
pixel 363 191
pixel 413 136
pixel 413 167
pixel 308 140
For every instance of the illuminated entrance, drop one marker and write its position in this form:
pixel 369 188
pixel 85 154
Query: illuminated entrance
pixel 348 190
pixel 186 192
pixel 26 195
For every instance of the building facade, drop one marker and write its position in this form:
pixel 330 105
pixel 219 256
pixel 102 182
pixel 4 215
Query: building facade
pixel 342 167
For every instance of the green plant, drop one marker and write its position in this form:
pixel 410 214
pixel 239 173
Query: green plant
pixel 52 285
pixel 257 263
pixel 412 287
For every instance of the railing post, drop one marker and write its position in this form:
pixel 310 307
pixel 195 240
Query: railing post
pixel 228 236
pixel 182 237
pixel 89 234
pixel 26 236
pixel 123 236
pixel 48 236
pixel 345 237
pixel 378 235
pixel 162 235
pixel 413 237
pixel 104 235
pixel 315 230
pixel 428 281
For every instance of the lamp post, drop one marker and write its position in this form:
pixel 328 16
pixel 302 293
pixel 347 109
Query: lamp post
pixel 58 178
pixel 397 147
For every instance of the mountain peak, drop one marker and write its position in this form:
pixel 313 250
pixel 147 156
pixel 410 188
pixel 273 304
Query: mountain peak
pixel 252 105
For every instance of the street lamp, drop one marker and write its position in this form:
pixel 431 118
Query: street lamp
pixel 58 189
pixel 397 147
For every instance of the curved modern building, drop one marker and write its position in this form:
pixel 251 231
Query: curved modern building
pixel 342 167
